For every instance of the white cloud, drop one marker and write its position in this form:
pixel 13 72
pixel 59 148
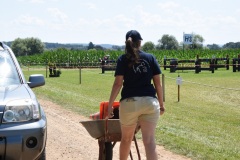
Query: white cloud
pixel 91 6
pixel 119 21
pixel 37 1
pixel 32 1
pixel 160 19
pixel 29 20
pixel 238 11
pixel 168 6
pixel 124 21
pixel 59 16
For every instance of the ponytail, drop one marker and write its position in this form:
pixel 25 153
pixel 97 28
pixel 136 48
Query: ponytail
pixel 132 51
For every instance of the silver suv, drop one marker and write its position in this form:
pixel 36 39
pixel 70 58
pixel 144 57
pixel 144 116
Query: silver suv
pixel 23 124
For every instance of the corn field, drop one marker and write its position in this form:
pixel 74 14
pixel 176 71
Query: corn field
pixel 92 58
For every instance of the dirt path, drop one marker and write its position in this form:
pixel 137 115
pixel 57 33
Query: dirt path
pixel 69 140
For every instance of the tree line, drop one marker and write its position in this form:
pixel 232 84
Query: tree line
pixel 31 46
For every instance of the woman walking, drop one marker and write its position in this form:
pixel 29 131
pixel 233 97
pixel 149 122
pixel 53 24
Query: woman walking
pixel 141 101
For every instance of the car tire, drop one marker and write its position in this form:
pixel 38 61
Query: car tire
pixel 43 155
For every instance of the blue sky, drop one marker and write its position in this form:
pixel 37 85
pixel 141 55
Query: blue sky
pixel 107 21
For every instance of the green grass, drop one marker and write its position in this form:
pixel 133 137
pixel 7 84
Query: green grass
pixel 204 124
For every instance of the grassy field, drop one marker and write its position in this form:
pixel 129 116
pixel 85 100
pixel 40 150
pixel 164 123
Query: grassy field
pixel 204 124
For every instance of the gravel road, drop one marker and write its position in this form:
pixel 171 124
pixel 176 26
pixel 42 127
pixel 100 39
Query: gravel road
pixel 68 139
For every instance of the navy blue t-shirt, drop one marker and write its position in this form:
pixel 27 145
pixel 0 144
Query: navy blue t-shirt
pixel 137 79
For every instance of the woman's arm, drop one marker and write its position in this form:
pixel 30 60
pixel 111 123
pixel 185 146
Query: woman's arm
pixel 158 87
pixel 117 85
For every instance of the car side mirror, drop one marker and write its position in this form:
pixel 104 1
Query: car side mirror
pixel 36 80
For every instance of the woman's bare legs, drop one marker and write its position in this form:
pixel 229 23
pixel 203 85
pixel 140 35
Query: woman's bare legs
pixel 148 136
pixel 127 137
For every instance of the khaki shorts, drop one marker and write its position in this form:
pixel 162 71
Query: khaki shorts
pixel 136 109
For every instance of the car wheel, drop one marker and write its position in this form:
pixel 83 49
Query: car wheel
pixel 43 155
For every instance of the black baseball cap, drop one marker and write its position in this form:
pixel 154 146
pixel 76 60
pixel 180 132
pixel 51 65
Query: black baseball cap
pixel 135 35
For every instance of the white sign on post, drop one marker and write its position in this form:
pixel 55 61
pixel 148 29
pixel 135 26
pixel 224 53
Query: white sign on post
pixel 179 80
pixel 187 38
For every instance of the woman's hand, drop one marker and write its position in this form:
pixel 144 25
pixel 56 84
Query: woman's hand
pixel 162 110
pixel 110 112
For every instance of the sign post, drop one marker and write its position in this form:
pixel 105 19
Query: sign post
pixel 187 39
pixel 179 82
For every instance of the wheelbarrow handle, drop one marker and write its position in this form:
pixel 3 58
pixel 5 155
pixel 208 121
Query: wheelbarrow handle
pixel 106 129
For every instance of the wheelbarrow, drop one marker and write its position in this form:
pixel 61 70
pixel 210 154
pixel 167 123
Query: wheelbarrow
pixel 108 133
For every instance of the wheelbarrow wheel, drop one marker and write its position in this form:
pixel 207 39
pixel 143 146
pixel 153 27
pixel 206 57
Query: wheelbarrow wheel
pixel 108 150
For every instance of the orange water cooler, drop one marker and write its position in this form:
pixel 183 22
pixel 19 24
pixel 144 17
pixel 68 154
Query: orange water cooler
pixel 104 110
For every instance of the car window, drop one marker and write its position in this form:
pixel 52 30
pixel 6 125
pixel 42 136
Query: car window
pixel 8 72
